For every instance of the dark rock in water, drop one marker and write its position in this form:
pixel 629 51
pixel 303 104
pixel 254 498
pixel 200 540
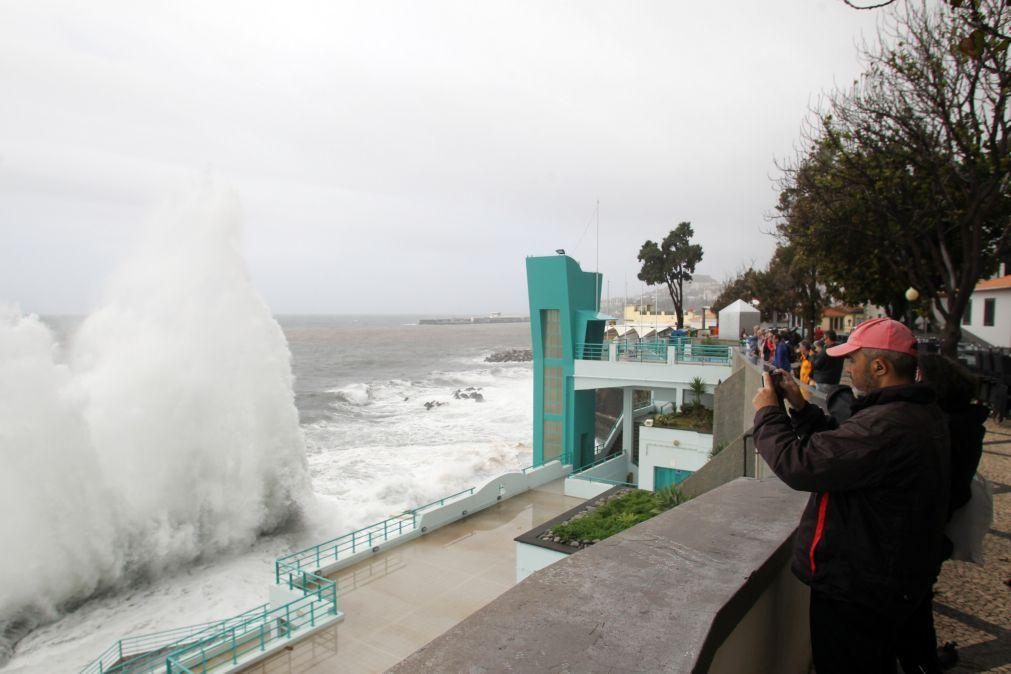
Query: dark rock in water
pixel 469 393
pixel 511 356
pixel 434 403
pixel 477 397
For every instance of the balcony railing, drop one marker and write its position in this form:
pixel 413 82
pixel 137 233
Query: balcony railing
pixel 674 350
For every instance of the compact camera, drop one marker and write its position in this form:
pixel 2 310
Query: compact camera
pixel 776 379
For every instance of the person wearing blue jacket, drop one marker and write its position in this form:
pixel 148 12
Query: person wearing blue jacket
pixel 781 359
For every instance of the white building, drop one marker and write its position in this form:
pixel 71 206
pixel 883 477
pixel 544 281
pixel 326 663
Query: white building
pixel 737 317
pixel 988 315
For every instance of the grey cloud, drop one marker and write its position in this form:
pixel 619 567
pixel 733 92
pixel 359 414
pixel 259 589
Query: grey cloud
pixel 403 155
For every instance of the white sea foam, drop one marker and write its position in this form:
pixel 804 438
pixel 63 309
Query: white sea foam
pixel 178 390
pixel 169 432
pixel 60 517
pixel 383 451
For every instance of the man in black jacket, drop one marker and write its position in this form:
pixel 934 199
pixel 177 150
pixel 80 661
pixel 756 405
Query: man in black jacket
pixel 826 370
pixel 869 540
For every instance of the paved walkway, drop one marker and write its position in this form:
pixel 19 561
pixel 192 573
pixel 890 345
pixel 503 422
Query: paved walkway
pixel 399 600
pixel 973 603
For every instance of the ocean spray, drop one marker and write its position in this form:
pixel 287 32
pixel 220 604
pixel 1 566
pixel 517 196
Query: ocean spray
pixel 166 434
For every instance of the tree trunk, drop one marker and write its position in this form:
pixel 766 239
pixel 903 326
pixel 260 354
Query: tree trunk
pixel 679 310
pixel 950 336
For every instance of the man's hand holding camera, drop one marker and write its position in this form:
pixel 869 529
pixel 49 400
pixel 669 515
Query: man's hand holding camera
pixel 778 385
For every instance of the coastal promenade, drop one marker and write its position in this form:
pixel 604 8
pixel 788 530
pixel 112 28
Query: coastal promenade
pixel 399 600
pixel 972 605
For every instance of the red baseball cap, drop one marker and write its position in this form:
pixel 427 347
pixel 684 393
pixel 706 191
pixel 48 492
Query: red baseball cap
pixel 878 333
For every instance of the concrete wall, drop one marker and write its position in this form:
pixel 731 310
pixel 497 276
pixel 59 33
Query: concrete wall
pixel 616 470
pixel 773 635
pixel 733 412
pixel 530 558
pixel 698 588
pixel 734 461
pixel 495 490
pixel 670 448
pixel 585 489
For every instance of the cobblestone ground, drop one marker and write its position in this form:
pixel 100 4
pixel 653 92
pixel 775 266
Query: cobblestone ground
pixel 972 605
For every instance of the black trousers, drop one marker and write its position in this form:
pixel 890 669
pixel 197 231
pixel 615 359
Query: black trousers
pixel 917 640
pixel 850 639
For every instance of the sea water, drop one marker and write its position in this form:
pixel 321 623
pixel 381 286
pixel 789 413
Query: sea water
pixel 159 453
pixel 373 449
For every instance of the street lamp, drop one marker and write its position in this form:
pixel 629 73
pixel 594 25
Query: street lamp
pixel 912 294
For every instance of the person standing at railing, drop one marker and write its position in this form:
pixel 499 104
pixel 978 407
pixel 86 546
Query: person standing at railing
pixel 955 388
pixel 781 355
pixel 870 539
pixel 826 369
pixel 805 362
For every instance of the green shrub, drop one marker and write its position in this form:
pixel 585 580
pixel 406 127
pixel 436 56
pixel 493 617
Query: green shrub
pixel 617 515
pixel 693 417
pixel 668 497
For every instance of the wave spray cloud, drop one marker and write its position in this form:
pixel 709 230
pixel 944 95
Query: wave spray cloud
pixel 166 432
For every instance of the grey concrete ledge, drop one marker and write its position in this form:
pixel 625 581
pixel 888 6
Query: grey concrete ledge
pixel 661 596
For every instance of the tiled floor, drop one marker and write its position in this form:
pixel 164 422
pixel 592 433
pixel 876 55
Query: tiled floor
pixel 972 604
pixel 400 600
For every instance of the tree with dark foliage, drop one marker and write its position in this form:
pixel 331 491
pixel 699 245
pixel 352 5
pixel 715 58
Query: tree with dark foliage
pixel 671 263
pixel 910 171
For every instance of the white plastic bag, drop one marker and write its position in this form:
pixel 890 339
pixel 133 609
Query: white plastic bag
pixel 970 523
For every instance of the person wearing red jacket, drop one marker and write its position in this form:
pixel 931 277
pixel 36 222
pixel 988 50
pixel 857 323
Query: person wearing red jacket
pixel 871 537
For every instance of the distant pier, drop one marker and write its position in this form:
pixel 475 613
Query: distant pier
pixel 474 320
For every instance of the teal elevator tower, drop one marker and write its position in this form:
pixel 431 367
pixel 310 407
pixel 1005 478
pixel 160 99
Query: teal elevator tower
pixel 563 317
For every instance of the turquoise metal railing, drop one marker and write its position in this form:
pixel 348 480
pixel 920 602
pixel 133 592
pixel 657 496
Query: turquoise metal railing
pixel 717 354
pixel 595 463
pixel 225 647
pixel 591 351
pixel 643 352
pixel 322 554
pixel 146 652
pixel 657 351
pixel 366 538
pixel 197 649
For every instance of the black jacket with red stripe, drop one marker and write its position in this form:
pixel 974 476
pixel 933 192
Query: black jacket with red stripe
pixel 873 531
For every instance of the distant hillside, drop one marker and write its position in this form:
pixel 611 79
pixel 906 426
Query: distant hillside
pixel 700 292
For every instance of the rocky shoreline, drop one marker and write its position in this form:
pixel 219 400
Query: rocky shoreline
pixel 511 356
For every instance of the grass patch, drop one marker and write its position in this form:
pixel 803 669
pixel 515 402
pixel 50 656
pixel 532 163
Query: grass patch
pixel 616 514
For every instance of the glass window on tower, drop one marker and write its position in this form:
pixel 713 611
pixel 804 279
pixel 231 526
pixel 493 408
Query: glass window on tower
pixel 553 390
pixel 551 329
pixel 552 439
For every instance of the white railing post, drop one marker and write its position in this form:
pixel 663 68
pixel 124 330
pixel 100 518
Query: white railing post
pixel 612 351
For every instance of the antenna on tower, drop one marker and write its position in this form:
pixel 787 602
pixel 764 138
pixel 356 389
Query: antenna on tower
pixel 596 282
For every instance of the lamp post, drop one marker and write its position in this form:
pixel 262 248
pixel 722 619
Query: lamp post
pixel 912 294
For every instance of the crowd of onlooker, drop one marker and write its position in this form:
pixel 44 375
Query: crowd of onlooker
pixel 806 358
pixel 891 464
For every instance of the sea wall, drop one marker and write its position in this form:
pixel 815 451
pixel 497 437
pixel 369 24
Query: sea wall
pixel 702 587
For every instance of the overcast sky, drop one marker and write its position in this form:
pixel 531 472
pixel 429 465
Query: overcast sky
pixel 403 157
